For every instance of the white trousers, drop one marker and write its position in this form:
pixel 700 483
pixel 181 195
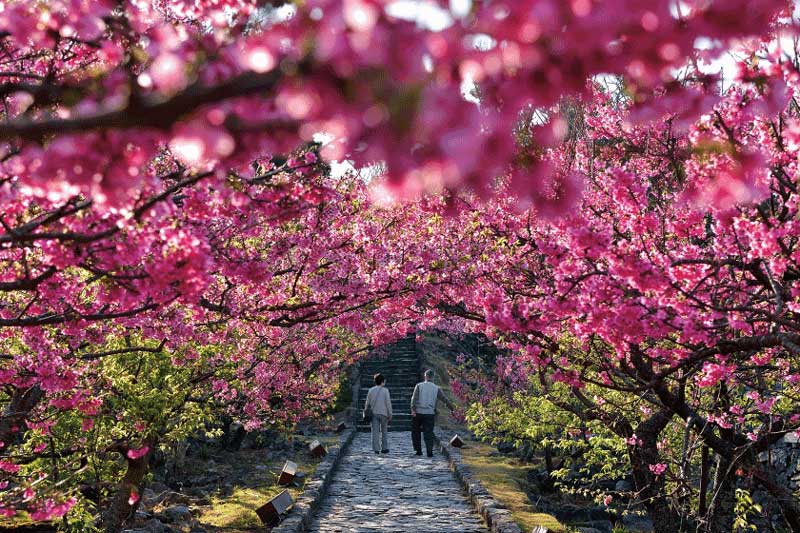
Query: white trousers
pixel 380 437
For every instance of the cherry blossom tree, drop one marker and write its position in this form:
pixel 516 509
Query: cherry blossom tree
pixel 167 203
pixel 664 302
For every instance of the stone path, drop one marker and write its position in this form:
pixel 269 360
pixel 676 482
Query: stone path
pixel 383 492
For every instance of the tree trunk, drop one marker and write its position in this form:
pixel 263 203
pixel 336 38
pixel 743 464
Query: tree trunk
pixel 651 491
pixel 721 511
pixel 723 499
pixel 764 476
pixel 120 507
pixel 705 465
pixel 548 459
pixel 19 407
pixel 650 487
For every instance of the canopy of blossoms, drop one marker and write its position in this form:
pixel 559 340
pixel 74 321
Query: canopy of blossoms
pixel 173 236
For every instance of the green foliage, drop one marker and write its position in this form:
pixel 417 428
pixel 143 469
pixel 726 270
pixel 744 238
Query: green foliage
pixel 344 394
pixel 744 509
pixel 532 422
pixel 141 396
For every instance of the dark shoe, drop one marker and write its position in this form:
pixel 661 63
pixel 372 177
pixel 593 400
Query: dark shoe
pixel 376 453
pixel 418 453
pixel 384 451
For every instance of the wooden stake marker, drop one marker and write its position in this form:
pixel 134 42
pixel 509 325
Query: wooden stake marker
pixel 456 442
pixel 270 513
pixel 317 449
pixel 288 473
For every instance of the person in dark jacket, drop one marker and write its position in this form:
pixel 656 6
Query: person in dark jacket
pixel 423 412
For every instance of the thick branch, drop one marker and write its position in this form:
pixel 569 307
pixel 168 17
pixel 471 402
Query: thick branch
pixel 149 112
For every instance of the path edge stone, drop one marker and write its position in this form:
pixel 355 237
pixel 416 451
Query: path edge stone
pixel 316 488
pixel 497 517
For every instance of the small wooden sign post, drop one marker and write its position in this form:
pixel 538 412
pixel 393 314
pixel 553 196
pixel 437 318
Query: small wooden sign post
pixel 288 473
pixel 317 449
pixel 456 442
pixel 270 513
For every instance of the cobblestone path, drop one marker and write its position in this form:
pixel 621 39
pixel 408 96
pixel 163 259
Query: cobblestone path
pixel 397 491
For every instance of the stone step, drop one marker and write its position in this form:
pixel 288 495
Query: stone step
pixel 392 427
pixel 391 356
pixel 398 406
pixel 395 421
pixel 394 373
pixel 392 384
pixel 400 365
pixel 401 413
pixel 397 416
pixel 388 363
pixel 402 345
pixel 409 372
pixel 393 391
pixel 396 398
pixel 370 373
pixel 397 373
pixel 400 372
pixel 393 424
pixel 407 350
pixel 374 369
pixel 398 409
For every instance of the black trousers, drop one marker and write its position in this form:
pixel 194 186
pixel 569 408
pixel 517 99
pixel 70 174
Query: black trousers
pixel 422 424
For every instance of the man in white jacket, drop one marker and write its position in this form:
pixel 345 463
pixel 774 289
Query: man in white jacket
pixel 423 412
pixel 381 404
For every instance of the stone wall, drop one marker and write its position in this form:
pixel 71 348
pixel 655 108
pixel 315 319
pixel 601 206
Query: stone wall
pixel 497 517
pixel 314 491
pixel 785 458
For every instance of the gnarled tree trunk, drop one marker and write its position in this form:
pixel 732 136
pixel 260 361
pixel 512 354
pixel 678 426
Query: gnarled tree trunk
pixel 120 507
pixel 649 486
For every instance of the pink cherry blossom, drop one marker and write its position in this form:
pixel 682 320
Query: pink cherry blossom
pixel 136 453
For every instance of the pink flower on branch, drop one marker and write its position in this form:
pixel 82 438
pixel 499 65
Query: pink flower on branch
pixel 137 453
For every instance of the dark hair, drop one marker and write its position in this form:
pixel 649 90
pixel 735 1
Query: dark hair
pixel 379 378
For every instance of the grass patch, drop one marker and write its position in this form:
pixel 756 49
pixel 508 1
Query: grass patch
pixel 237 511
pixel 505 479
pixel 255 482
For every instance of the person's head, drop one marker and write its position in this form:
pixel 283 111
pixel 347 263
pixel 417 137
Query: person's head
pixel 379 379
pixel 428 375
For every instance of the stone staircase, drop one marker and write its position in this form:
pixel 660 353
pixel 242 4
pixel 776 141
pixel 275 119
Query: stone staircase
pixel 400 367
